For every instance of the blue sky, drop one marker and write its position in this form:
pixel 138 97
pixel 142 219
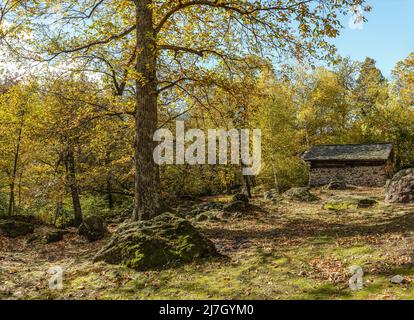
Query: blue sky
pixel 387 37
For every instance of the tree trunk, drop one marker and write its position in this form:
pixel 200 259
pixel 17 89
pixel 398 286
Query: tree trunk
pixel 109 193
pixel 73 185
pixel 245 184
pixel 275 177
pixel 19 188
pixel 146 170
pixel 11 200
pixel 58 210
pixel 14 171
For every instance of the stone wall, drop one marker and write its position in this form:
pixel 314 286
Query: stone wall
pixel 373 176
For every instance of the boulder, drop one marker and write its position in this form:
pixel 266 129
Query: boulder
pixel 202 217
pixel 200 208
pixel 92 228
pixel 239 203
pixel 164 241
pixel 53 236
pixel 13 228
pixel 366 203
pixel 235 206
pixel 301 194
pixel 24 218
pixel 271 195
pixel 401 187
pixel 336 185
pixel 397 279
pixel 240 197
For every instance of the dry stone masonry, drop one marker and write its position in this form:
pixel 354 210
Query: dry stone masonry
pixel 354 164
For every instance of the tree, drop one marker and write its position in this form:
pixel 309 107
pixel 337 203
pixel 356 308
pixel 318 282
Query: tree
pixel 404 80
pixel 174 44
pixel 371 87
pixel 20 117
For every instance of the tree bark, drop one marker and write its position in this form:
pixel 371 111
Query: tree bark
pixel 12 202
pixel 109 193
pixel 19 188
pixel 246 185
pixel 275 177
pixel 146 170
pixel 73 185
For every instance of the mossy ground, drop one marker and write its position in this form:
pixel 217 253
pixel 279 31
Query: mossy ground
pixel 291 250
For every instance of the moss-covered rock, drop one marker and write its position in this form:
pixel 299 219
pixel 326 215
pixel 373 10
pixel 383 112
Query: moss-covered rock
pixel 240 197
pixel 24 218
pixel 12 228
pixel 344 203
pixel 202 217
pixel 92 228
pixel 272 195
pixel 366 203
pixel 214 215
pixel 163 241
pixel 235 206
pixel 339 204
pixel 301 194
pixel 53 236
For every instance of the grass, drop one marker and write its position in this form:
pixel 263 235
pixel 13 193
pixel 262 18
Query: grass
pixel 291 250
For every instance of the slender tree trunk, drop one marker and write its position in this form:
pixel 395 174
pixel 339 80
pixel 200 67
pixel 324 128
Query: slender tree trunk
pixel 275 177
pixel 73 185
pixel 146 170
pixel 11 200
pixel 19 204
pixel 14 171
pixel 58 210
pixel 245 184
pixel 109 193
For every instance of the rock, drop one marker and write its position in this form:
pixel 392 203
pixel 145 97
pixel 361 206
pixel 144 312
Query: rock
pixel 12 228
pixel 366 203
pixel 210 215
pixel 193 212
pixel 235 206
pixel 348 202
pixel 301 194
pixel 202 217
pixel 53 236
pixel 163 241
pixel 24 218
pixel 32 238
pixel 240 202
pixel 200 208
pixel 400 188
pixel 240 197
pixel 272 195
pixel 92 228
pixel 336 185
pixel 397 279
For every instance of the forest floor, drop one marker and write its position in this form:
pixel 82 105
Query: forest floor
pixel 289 250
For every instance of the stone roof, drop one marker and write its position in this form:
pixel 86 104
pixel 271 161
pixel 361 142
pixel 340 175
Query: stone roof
pixel 349 152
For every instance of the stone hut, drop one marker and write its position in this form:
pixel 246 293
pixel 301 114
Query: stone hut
pixel 354 164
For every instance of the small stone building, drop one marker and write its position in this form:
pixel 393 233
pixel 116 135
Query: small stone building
pixel 355 164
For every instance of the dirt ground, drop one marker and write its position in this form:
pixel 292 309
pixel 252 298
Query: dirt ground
pixel 288 250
